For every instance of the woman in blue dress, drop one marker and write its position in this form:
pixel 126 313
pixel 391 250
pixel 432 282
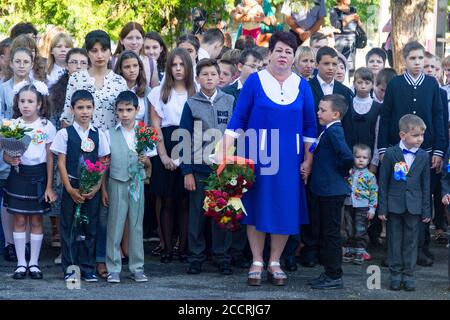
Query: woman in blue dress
pixel 276 111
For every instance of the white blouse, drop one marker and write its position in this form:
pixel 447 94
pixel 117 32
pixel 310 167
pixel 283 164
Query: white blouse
pixel 104 98
pixel 42 134
pixel 170 112
pixel 55 75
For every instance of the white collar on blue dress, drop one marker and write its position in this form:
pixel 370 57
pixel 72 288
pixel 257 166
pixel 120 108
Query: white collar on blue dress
pixel 280 94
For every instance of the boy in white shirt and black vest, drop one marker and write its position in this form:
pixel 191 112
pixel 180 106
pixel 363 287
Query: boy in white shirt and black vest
pixel 74 145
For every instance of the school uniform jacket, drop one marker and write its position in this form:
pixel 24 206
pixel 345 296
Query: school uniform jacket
pixel 332 162
pixel 413 195
pixel 422 99
pixel 338 88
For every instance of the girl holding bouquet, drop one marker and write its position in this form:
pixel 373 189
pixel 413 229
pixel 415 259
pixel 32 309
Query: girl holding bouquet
pixel 29 190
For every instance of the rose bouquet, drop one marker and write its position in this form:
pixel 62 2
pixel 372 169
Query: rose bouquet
pixel 91 174
pixel 224 188
pixel 146 138
pixel 13 138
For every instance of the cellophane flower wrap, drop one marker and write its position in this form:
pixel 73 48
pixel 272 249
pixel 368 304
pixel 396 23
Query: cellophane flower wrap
pixel 91 174
pixel 224 189
pixel 146 138
pixel 13 138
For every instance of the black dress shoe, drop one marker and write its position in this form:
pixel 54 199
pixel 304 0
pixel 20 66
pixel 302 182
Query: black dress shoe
pixel 327 284
pixel 308 264
pixel 225 268
pixel 423 260
pixel 166 257
pixel 195 267
pixel 317 280
pixel 20 274
pixel 290 265
pixel 9 253
pixel 37 275
pixel 395 285
pixel 409 286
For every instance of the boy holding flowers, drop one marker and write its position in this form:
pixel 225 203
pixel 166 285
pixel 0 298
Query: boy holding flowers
pixel 125 193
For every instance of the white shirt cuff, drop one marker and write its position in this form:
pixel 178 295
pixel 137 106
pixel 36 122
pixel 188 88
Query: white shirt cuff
pixel 232 133
pixel 311 140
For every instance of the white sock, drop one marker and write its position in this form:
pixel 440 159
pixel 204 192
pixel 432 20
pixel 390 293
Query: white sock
pixel 19 242
pixel 35 244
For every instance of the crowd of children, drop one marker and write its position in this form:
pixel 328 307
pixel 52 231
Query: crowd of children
pixel 379 150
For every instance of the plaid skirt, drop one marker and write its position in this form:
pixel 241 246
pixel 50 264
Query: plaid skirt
pixel 24 190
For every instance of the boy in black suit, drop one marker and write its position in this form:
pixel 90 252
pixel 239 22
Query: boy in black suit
pixel 324 84
pixel 404 200
pixel 415 93
pixel 332 162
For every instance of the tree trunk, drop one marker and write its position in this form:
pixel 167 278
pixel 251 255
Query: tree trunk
pixel 408 22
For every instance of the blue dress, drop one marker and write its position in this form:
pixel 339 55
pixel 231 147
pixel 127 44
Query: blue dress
pixel 283 117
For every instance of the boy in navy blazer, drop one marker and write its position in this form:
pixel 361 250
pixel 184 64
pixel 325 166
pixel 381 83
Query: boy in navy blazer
pixel 332 161
pixel 321 85
pixel 404 200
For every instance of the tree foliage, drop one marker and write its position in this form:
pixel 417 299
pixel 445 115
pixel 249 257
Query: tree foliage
pixel 170 17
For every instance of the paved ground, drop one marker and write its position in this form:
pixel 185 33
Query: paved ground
pixel 170 282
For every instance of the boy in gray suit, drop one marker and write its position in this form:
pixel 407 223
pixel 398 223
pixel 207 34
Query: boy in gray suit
pixel 404 200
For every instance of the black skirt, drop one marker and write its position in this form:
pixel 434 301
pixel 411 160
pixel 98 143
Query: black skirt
pixel 166 183
pixel 25 190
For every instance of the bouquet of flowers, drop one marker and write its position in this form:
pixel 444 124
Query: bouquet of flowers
pixel 224 188
pixel 146 138
pixel 91 174
pixel 13 138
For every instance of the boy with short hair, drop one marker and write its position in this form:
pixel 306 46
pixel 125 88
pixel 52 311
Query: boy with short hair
pixel 332 162
pixel 228 73
pixel 418 94
pixel 249 62
pixel 74 145
pixel 404 200
pixel 360 206
pixel 381 81
pixel 125 193
pixel 211 44
pixel 321 85
pixel 208 110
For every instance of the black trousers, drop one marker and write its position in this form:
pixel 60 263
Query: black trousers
pixel 310 232
pixel 81 253
pixel 329 210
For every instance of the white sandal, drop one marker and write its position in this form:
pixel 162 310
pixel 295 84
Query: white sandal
pixel 278 278
pixel 254 277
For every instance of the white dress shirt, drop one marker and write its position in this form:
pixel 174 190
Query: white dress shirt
pixel 327 88
pixel 409 157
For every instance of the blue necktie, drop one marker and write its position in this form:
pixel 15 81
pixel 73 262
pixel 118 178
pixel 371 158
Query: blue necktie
pixel 406 151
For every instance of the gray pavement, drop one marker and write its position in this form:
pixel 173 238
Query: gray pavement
pixel 170 282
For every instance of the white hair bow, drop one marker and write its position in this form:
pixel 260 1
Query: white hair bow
pixel 40 86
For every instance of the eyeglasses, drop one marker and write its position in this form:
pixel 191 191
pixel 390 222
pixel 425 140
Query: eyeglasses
pixel 76 63
pixel 254 67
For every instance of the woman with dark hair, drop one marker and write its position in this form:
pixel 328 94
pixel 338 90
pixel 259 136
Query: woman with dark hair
pixel 156 49
pixel 131 37
pixel 167 103
pixel 278 107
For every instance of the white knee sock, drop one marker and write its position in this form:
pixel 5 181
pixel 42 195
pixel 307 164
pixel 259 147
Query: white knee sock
pixel 36 242
pixel 19 242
